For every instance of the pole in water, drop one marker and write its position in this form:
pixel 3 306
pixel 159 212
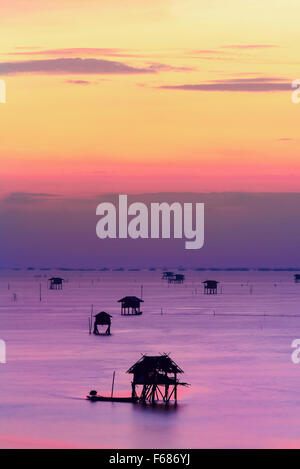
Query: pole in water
pixel 90 326
pixel 40 292
pixel 91 318
pixel 142 292
pixel 113 384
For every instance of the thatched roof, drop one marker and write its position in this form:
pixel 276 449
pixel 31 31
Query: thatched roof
pixel 133 299
pixel 159 363
pixel 102 314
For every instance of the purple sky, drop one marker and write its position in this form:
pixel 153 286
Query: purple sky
pixel 241 230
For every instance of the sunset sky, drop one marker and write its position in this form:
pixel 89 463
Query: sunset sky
pixel 132 95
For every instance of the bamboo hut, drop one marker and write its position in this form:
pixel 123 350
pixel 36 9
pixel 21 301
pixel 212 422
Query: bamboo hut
pixel 177 278
pixel 157 375
pixel 210 287
pixel 166 275
pixel 55 283
pixel 130 305
pixel 102 319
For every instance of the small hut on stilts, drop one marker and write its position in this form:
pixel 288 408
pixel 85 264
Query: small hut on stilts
pixel 166 275
pixel 130 305
pixel 210 287
pixel 177 278
pixel 297 278
pixel 158 377
pixel 55 283
pixel 102 319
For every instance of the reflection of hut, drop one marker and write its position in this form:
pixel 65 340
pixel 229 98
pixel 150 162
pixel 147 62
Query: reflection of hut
pixel 167 275
pixel 158 377
pixel 55 283
pixel 102 319
pixel 297 278
pixel 177 278
pixel 210 287
pixel 130 305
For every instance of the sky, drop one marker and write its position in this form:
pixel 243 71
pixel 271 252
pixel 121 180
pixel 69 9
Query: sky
pixel 240 230
pixel 132 96
pixel 129 96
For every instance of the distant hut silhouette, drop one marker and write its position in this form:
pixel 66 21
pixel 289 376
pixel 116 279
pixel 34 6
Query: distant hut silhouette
pixel 153 374
pixel 177 278
pixel 130 305
pixel 55 283
pixel 166 275
pixel 210 287
pixel 297 278
pixel 102 319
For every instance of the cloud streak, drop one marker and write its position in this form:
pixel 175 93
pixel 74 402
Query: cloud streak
pixel 71 66
pixel 28 197
pixel 159 67
pixel 250 46
pixel 231 52
pixel 220 50
pixel 250 85
pixel 78 82
pixel 285 139
pixel 100 51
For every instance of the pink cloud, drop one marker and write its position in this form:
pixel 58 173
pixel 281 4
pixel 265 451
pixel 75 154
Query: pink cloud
pixel 78 82
pixel 110 52
pixel 265 84
pixel 70 66
pixel 250 46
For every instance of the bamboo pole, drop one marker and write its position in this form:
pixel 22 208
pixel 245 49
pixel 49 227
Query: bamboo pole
pixel 91 318
pixel 113 384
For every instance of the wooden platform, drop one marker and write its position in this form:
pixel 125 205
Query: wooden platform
pixel 133 314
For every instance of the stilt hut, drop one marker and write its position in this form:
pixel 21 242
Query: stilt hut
pixel 166 275
pixel 210 287
pixel 102 319
pixel 55 283
pixel 177 278
pixel 297 278
pixel 158 377
pixel 130 305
